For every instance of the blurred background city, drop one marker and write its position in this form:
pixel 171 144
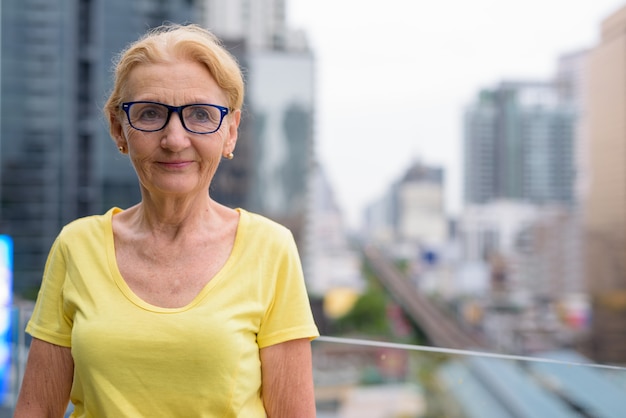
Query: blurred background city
pixel 454 175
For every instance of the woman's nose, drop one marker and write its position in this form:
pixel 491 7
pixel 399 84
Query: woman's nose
pixel 175 136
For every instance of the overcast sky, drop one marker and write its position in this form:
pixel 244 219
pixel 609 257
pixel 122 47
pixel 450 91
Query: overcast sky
pixel 394 76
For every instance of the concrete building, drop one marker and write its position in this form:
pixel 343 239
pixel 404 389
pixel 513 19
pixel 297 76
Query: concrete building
pixel 411 214
pixel 420 203
pixel 605 201
pixel 57 161
pixel 489 234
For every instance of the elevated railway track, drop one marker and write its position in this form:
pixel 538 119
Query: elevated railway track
pixel 440 329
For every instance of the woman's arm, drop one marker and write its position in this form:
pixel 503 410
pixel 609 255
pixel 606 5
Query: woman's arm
pixel 45 391
pixel 287 387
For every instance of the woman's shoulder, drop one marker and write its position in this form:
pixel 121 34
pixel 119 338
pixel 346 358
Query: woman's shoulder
pixel 88 224
pixel 260 224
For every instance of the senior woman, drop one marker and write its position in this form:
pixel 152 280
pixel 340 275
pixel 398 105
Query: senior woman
pixel 178 306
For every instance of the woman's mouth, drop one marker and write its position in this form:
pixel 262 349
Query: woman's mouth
pixel 175 165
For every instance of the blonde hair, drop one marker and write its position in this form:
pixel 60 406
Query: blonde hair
pixel 178 41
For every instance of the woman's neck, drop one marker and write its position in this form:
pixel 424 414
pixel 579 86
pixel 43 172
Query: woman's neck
pixel 172 217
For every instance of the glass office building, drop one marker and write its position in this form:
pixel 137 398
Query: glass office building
pixel 57 161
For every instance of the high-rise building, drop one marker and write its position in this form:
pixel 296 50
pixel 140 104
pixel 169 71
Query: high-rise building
pixel 281 97
pixel 519 144
pixel 605 200
pixel 261 23
pixel 57 161
pixel 571 84
pixel 275 146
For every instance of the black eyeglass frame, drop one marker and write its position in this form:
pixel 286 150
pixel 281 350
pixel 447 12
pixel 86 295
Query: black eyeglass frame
pixel 178 109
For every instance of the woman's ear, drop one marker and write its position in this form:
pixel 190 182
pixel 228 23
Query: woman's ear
pixel 116 130
pixel 233 131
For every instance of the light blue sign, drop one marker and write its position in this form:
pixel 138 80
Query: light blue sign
pixel 6 299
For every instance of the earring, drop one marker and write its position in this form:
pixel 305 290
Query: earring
pixel 230 156
pixel 122 149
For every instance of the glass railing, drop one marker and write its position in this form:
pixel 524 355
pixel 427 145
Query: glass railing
pixel 13 353
pixel 366 378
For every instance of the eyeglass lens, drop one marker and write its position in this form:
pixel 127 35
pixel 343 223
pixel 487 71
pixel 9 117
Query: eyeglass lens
pixel 154 116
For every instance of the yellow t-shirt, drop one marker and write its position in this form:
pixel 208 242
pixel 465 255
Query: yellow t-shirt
pixel 133 359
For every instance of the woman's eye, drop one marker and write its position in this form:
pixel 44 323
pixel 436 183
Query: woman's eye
pixel 148 114
pixel 200 114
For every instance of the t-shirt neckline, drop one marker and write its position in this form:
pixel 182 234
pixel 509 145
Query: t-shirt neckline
pixel 138 301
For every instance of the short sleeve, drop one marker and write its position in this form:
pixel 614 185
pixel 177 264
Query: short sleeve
pixel 289 315
pixel 48 321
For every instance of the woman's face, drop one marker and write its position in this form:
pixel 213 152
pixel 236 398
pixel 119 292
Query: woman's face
pixel 173 161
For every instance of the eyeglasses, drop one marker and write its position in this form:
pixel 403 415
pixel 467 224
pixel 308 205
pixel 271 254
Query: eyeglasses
pixel 198 118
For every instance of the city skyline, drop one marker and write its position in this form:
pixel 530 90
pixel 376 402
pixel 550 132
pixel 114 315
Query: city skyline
pixel 400 65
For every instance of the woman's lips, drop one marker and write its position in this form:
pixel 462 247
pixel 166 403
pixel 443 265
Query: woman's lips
pixel 175 164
